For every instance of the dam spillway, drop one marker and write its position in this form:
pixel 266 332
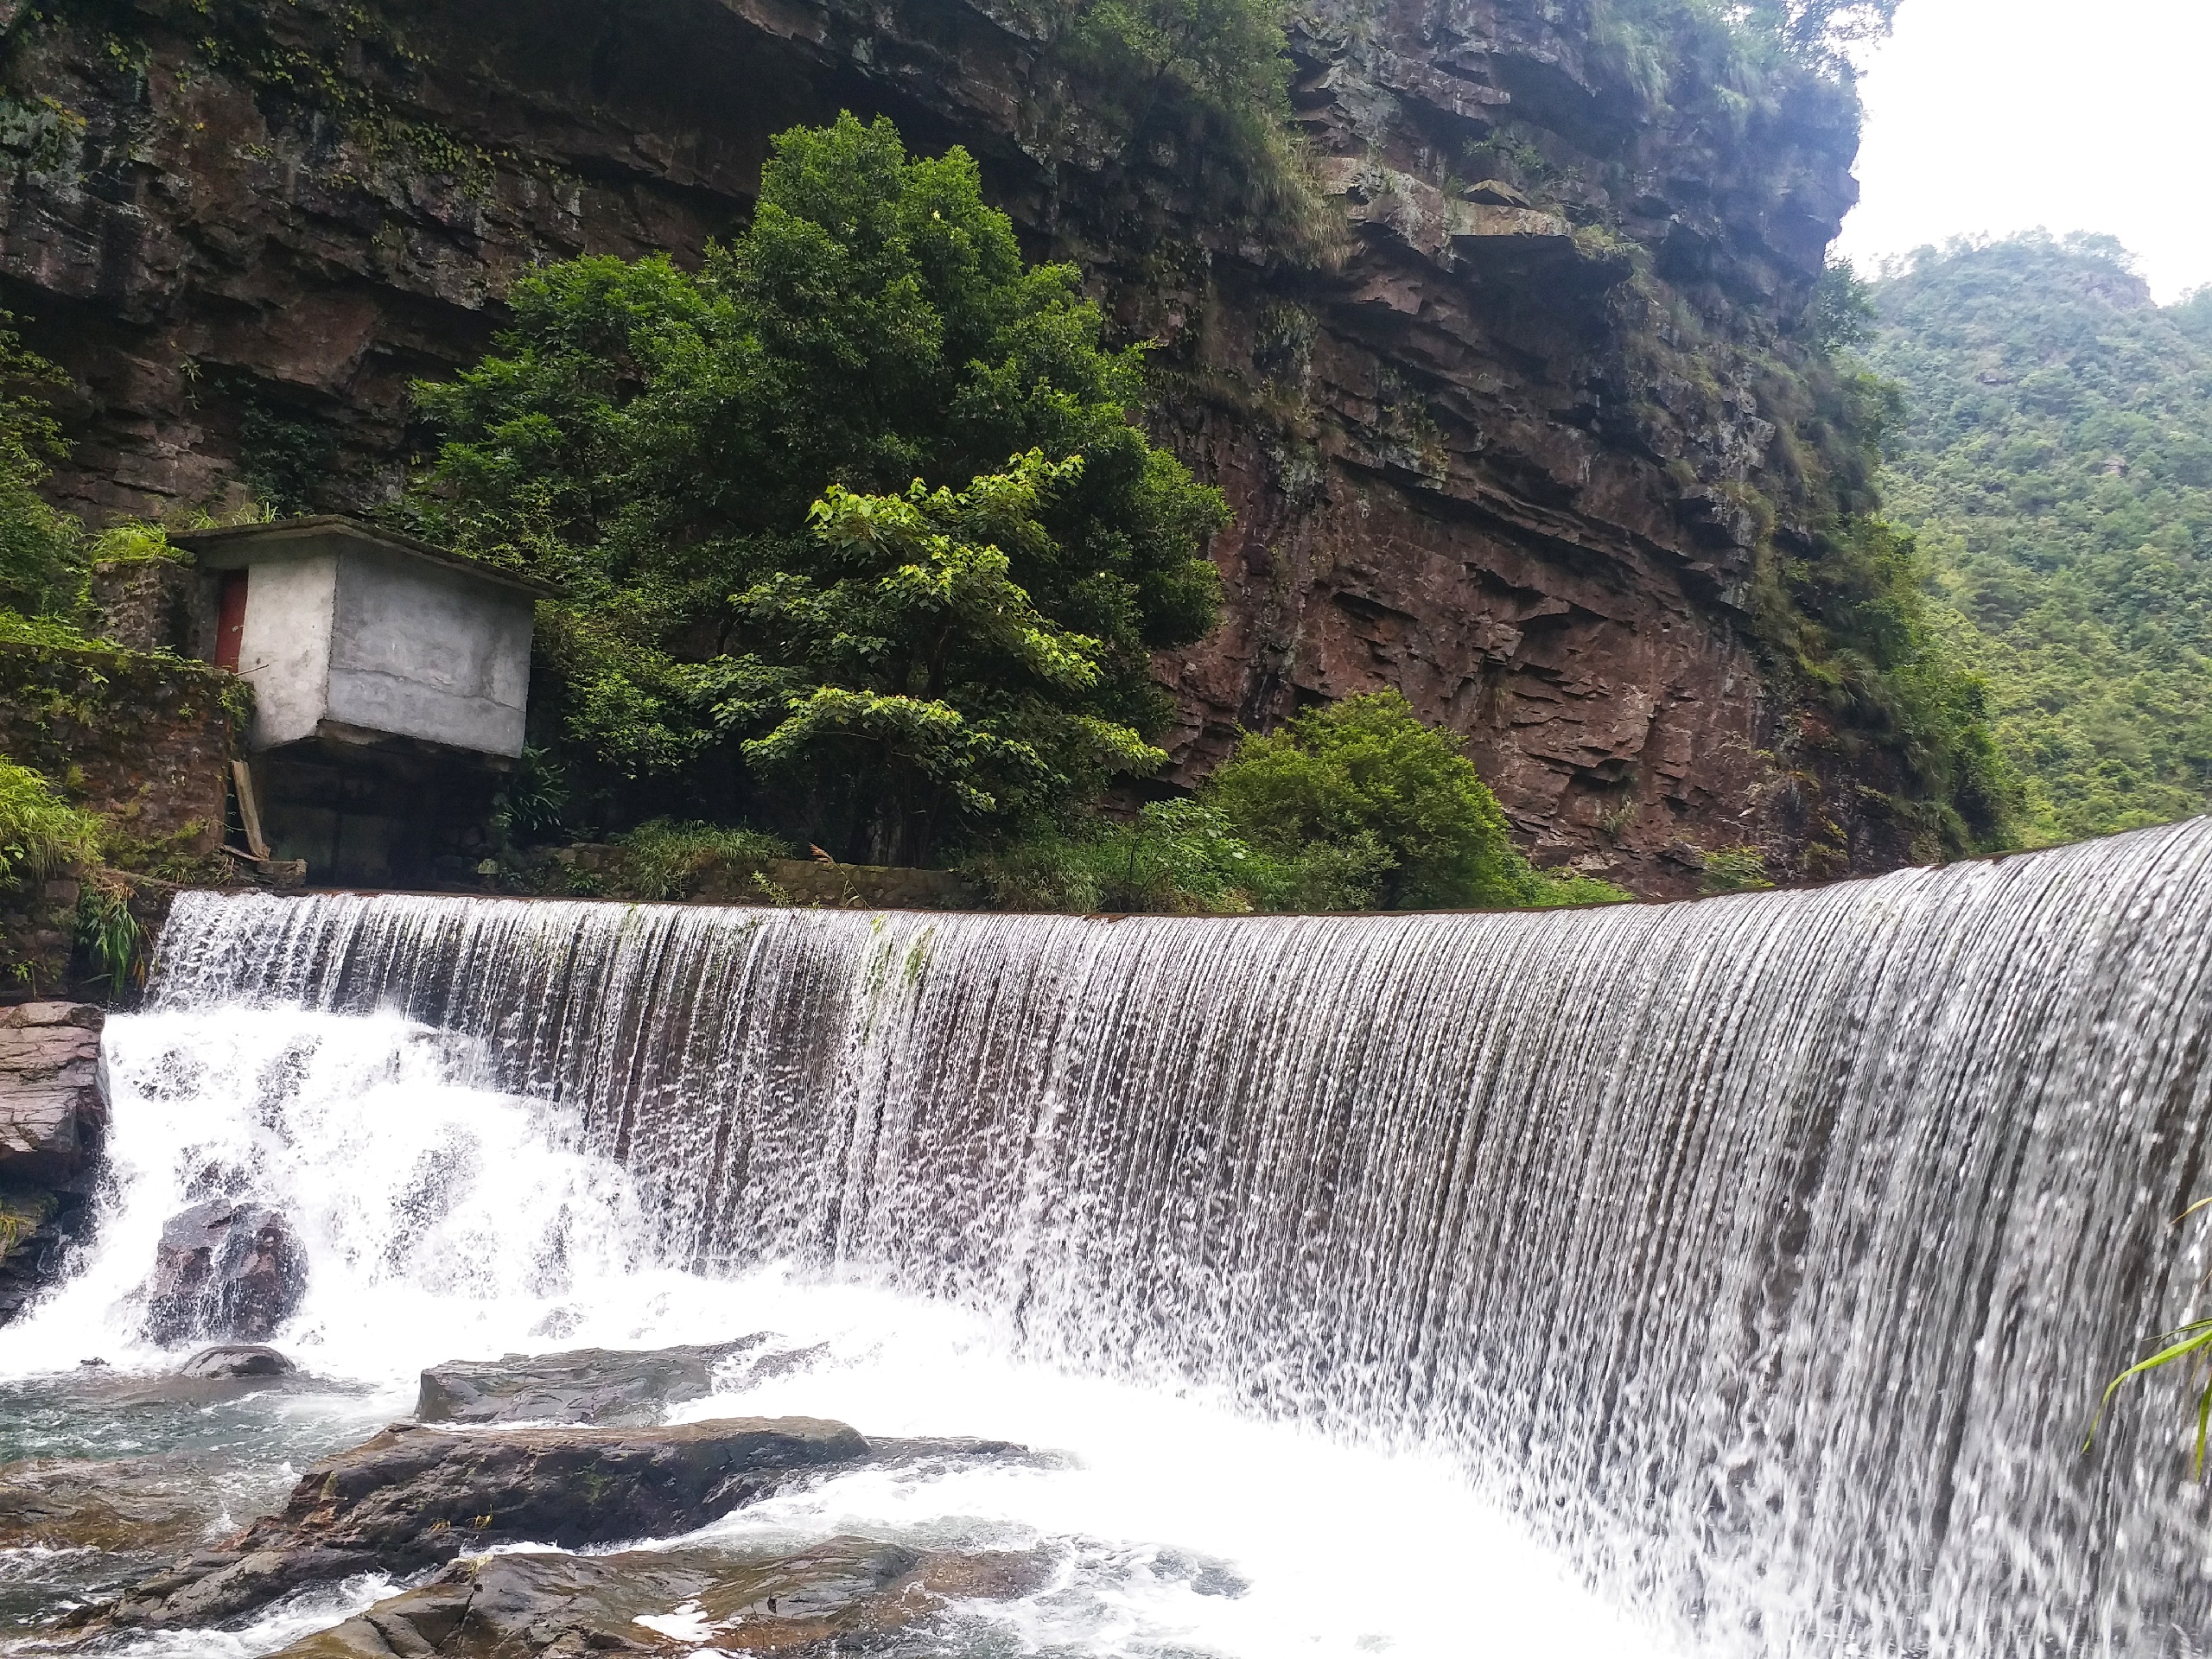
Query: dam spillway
pixel 1764 1256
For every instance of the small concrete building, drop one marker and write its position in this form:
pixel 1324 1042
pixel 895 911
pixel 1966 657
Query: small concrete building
pixel 390 681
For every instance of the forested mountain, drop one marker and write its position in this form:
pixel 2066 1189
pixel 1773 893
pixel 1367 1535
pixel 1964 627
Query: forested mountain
pixel 2056 464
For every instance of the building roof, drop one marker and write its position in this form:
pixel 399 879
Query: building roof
pixel 237 539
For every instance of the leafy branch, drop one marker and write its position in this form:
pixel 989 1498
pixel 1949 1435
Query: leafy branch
pixel 2191 1341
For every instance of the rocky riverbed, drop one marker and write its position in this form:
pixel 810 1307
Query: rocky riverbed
pixel 478 1529
pixel 468 1267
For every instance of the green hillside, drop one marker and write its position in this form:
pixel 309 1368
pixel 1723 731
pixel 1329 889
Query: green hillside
pixel 2057 463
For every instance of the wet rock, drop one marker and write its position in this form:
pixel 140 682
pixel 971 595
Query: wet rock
pixel 30 1245
pixel 225 1270
pixel 52 1121
pixel 833 1596
pixel 938 1453
pixel 413 1497
pixel 586 1385
pixel 53 1097
pixel 125 1506
pixel 238 1359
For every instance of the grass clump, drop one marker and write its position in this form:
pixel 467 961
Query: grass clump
pixel 109 936
pixel 40 832
pixel 2189 1345
pixel 664 858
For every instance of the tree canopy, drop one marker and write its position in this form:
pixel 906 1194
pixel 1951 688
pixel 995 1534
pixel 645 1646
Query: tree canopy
pixel 2056 467
pixel 866 482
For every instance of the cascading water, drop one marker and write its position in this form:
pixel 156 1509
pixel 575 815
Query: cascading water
pixel 1763 1256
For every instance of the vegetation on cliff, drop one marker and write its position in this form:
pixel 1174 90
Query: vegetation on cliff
pixel 42 557
pixel 1777 438
pixel 2055 469
pixel 1875 691
pixel 1211 78
pixel 40 832
pixel 1357 805
pixel 1741 39
pixel 858 534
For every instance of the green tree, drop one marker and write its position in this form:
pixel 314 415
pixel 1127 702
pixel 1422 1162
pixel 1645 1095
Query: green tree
pixel 809 500
pixel 915 678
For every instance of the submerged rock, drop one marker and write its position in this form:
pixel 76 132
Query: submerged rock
pixel 413 1498
pixel 237 1359
pixel 586 1385
pixel 225 1270
pixel 836 1595
pixel 123 1506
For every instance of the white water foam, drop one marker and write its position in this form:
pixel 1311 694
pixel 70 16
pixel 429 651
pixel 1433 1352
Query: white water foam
pixel 443 1219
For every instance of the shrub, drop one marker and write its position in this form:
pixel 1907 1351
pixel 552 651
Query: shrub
pixel 1367 777
pixel 1179 856
pixel 139 541
pixel 1355 806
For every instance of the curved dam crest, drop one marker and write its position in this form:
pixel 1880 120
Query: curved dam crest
pixel 1766 1253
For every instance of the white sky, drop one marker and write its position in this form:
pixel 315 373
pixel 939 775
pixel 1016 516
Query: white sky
pixel 2076 115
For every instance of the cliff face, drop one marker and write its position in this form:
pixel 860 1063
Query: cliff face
pixel 1501 454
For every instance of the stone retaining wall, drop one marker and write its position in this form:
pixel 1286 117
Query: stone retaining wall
pixel 145 740
pixel 38 930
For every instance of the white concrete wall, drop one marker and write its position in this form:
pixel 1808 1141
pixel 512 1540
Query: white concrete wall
pixel 284 648
pixel 425 651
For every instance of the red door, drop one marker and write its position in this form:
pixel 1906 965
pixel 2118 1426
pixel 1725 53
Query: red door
pixel 230 620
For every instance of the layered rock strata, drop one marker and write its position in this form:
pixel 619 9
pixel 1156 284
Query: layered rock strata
pixel 52 1129
pixel 1514 452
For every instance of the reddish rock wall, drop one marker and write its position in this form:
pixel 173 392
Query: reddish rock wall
pixel 1502 457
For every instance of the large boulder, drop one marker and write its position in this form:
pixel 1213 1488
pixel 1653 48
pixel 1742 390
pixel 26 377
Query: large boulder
pixel 844 1594
pixel 225 1270
pixel 586 1385
pixel 53 1094
pixel 412 1499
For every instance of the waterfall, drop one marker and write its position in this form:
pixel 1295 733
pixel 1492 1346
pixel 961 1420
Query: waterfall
pixel 1767 1252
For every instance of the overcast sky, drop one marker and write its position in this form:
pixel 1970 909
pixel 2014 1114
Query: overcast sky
pixel 2076 115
